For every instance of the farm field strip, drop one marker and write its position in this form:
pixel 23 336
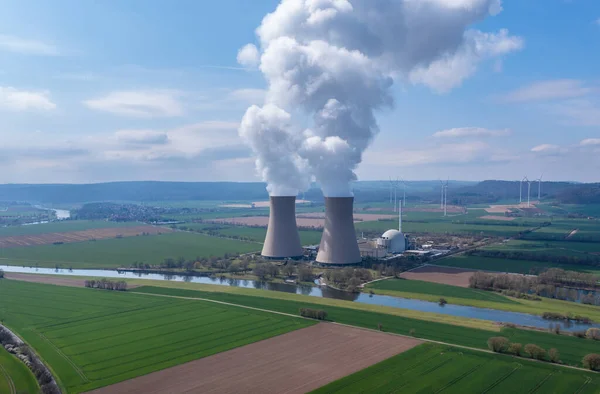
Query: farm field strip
pixel 79 236
pixel 437 368
pixel 93 347
pixel 505 265
pixel 65 226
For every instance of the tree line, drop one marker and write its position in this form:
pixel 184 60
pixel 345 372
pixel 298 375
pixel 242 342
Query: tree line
pixel 548 284
pixel 318 314
pixel 27 356
pixel 106 284
pixel 348 278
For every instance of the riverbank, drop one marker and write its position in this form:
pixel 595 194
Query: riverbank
pixel 433 292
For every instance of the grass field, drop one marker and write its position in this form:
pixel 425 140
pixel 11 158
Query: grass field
pixel 257 234
pixel 572 349
pixel 93 338
pixel 113 253
pixel 557 248
pixel 63 227
pixel 442 227
pixel 14 375
pixel 394 286
pixel 434 368
pixel 478 298
pixel 506 265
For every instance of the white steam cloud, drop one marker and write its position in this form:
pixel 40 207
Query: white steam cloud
pixel 334 62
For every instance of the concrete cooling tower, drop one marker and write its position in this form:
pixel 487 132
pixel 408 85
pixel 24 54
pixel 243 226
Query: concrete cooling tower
pixel 282 238
pixel 338 243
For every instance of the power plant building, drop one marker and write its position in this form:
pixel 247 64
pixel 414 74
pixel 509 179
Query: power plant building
pixel 282 239
pixel 338 243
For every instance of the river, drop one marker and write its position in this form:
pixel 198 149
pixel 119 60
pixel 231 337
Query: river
pixel 522 319
pixel 61 214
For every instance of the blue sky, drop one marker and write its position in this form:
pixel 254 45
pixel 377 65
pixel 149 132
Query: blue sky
pixel 140 90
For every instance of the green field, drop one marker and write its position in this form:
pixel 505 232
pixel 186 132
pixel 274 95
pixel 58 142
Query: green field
pixel 442 227
pixel 434 368
pixel 506 265
pixel 93 338
pixel 113 253
pixel 14 374
pixel 437 290
pixel 62 227
pixel 557 248
pixel 572 349
pixel 257 234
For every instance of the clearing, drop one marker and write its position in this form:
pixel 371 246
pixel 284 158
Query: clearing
pixel 435 368
pixel 437 274
pixel 295 362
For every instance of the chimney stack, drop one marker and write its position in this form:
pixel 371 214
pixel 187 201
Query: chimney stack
pixel 338 242
pixel 282 239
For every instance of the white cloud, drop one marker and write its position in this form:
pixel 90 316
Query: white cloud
pixel 549 150
pixel 142 136
pixel 451 70
pixel 471 132
pixel 443 154
pixel 250 96
pixel 584 112
pixel 142 103
pixel 26 46
pixel 549 90
pixel 590 142
pixel 22 100
pixel 248 56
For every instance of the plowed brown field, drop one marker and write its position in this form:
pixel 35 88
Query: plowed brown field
pixel 437 274
pixel 296 362
pixel 79 236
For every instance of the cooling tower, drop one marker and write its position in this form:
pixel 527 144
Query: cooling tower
pixel 338 243
pixel 282 238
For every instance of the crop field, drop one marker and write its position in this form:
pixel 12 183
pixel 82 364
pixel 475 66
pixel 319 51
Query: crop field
pixel 63 227
pixel 435 368
pixel 264 221
pixel 442 227
pixel 93 338
pixel 307 237
pixel 391 286
pixel 572 349
pixel 113 253
pixel 15 377
pixel 558 248
pixel 80 236
pixel 506 265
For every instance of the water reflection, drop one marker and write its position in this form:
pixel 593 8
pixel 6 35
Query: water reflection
pixel 373 299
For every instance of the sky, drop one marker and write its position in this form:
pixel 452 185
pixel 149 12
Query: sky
pixel 152 90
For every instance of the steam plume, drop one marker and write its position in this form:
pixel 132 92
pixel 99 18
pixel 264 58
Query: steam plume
pixel 335 61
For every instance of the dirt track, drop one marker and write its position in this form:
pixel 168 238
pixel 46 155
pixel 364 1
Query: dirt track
pixel 79 236
pixel 444 275
pixel 296 362
pixel 49 279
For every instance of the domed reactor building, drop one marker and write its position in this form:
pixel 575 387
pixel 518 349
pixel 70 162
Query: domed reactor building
pixel 393 240
pixel 282 240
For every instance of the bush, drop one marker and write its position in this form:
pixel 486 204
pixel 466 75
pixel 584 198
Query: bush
pixel 515 348
pixel 593 333
pixel 534 351
pixel 412 332
pixel 1 273
pixel 579 334
pixel 498 344
pixel 554 355
pixel 443 301
pixel 318 314
pixel 592 361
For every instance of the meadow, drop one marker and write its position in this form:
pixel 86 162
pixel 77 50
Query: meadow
pixel 421 325
pixel 257 234
pixel 114 253
pixel 506 265
pixel 436 368
pixel 63 227
pixel 93 338
pixel 442 227
pixel 15 377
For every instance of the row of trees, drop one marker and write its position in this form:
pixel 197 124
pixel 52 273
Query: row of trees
pixel 348 278
pixel 503 345
pixel 106 284
pixel 318 314
pixel 530 284
pixel 30 359
pixel 589 259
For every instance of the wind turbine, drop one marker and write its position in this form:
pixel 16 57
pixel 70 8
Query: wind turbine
pixel 403 193
pixel 539 181
pixel 442 195
pixel 521 188
pixel 446 197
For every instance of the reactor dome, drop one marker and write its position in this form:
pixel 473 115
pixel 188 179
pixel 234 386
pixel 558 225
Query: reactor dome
pixel 394 241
